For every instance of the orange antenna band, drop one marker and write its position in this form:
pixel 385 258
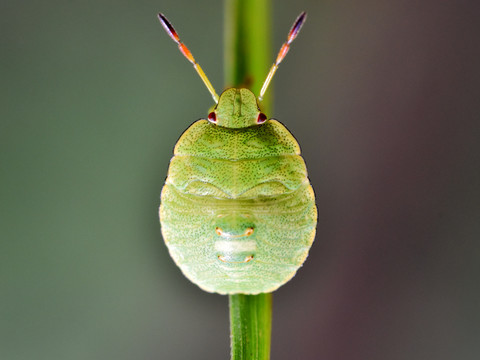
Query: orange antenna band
pixel 283 51
pixel 186 52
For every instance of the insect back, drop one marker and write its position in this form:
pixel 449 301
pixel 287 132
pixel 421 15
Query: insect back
pixel 237 210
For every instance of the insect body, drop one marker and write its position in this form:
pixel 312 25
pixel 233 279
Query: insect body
pixel 237 210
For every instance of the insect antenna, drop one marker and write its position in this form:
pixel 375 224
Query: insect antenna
pixel 184 50
pixel 283 51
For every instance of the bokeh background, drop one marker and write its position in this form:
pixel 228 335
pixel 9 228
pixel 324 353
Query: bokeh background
pixel 383 97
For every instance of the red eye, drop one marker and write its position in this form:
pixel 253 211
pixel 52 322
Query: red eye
pixel 261 118
pixel 212 117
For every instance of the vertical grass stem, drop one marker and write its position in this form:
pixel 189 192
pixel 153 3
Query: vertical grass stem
pixel 247 61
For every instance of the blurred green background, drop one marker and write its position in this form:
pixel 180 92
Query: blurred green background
pixel 383 97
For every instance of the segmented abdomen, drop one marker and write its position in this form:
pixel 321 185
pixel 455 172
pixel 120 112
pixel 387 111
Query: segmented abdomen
pixel 240 225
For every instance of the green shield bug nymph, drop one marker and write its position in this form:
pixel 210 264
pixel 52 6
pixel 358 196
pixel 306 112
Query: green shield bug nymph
pixel 237 210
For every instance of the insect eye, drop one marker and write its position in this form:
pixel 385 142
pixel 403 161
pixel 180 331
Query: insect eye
pixel 212 117
pixel 261 118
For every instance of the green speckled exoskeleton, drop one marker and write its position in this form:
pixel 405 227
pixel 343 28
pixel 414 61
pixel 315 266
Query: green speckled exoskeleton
pixel 237 210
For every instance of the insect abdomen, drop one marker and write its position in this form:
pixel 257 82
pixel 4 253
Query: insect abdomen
pixel 284 228
pixel 239 223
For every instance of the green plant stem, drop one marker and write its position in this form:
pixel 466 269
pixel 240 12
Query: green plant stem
pixel 250 326
pixel 247 49
pixel 247 61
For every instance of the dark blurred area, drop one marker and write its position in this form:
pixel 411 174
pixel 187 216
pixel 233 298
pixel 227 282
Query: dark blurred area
pixel 383 97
